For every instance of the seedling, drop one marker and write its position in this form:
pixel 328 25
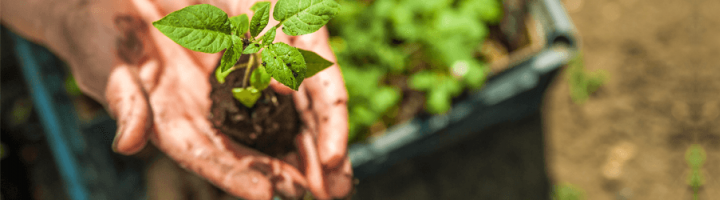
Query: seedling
pixel 206 28
pixel 383 46
pixel 695 157
pixel 583 83
pixel 567 191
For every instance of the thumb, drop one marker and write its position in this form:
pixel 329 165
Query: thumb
pixel 128 104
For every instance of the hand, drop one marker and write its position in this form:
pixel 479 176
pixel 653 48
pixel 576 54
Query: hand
pixel 321 101
pixel 159 90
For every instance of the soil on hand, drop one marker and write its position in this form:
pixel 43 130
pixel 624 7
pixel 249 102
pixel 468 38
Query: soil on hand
pixel 270 126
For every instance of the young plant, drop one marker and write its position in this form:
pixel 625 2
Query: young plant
pixel 583 83
pixel 567 191
pixel 695 157
pixel 206 28
pixel 433 43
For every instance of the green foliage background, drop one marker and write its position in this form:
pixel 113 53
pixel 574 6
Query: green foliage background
pixel 433 44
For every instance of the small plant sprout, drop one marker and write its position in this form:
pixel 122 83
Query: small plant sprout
pixel 583 83
pixel 567 191
pixel 206 28
pixel 695 157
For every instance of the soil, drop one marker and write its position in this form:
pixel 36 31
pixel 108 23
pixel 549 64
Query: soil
pixel 270 126
pixel 628 141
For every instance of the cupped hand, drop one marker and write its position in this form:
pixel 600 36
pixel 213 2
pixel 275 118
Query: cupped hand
pixel 158 90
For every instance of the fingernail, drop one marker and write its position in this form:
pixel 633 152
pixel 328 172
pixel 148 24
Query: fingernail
pixel 118 135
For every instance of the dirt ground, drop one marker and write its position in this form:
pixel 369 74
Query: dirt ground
pixel 629 140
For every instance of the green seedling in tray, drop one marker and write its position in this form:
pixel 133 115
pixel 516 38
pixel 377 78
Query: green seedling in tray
pixel 385 47
pixel 206 28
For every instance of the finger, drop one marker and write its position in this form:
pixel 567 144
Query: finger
pixel 339 180
pixel 313 170
pixel 180 139
pixel 183 132
pixel 289 189
pixel 129 105
pixel 304 107
pixel 293 159
pixel 329 104
pixel 237 170
pixel 329 97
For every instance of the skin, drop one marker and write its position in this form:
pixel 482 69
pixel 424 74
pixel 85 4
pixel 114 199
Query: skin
pixel 158 91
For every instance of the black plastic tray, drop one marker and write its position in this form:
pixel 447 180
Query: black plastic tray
pixel 510 95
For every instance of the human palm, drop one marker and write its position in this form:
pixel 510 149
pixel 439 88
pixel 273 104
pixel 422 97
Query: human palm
pixel 159 91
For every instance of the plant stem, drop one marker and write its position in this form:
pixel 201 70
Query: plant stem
pixel 240 66
pixel 247 70
pixel 258 61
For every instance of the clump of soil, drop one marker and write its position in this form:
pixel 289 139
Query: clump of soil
pixel 270 126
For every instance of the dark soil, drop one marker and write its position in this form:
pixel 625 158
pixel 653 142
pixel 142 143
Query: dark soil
pixel 270 126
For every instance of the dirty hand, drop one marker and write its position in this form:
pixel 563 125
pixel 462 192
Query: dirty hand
pixel 156 89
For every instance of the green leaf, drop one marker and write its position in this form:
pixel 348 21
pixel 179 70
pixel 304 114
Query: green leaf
pixel 203 28
pixel 450 85
pixel 363 115
pixel 260 19
pixel 259 4
pixel 695 156
pixel 424 80
pixel 285 64
pixel 361 82
pixel 260 79
pixel 384 98
pixel 232 54
pixel 391 57
pixel 247 96
pixel 472 72
pixel 301 17
pixel 269 37
pixel 402 18
pixel 241 24
pixel 438 101
pixel 487 10
pixel 252 48
pixel 229 58
pixel 314 62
